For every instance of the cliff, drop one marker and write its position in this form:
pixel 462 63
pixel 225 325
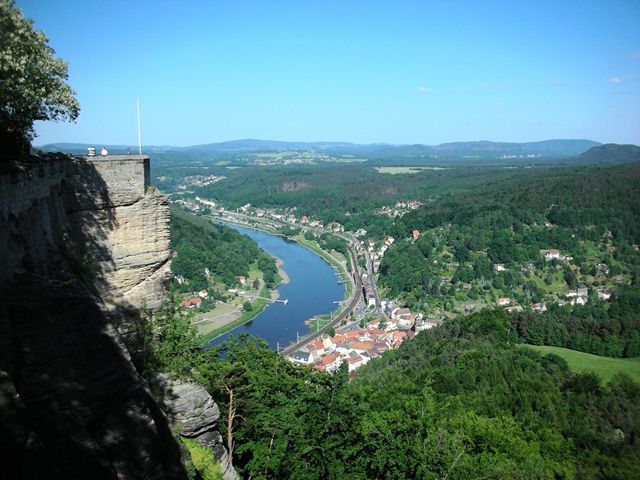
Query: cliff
pixel 83 241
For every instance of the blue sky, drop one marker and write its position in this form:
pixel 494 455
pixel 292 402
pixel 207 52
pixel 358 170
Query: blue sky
pixel 360 71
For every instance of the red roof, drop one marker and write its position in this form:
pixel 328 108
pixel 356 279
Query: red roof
pixel 191 302
pixel 329 359
pixel 361 345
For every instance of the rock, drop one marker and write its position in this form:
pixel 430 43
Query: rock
pixel 192 410
pixel 189 406
pixel 72 404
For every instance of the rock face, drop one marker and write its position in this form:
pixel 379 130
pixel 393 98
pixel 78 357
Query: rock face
pixel 79 238
pixel 71 403
pixel 193 411
pixel 122 225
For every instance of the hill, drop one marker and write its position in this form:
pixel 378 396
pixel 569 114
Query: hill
pixel 481 151
pixel 610 153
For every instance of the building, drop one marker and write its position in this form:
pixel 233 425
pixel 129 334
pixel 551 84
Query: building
pixel 552 254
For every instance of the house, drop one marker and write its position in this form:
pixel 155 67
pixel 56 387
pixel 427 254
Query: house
pixel 552 254
pixel 604 294
pixel 192 302
pixel 427 323
pixel 242 280
pixel 579 301
pixel 304 219
pixel 360 346
pixel 302 356
pixel 415 234
pixel 503 302
pixel 330 363
pixel 538 307
pixel 398 312
pixel 499 267
pixel 203 294
pixel 389 240
pixel 407 321
pixel 355 360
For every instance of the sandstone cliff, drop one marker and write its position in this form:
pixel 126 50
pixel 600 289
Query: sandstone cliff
pixel 81 242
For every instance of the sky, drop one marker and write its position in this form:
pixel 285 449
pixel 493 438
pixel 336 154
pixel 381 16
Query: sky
pixel 399 72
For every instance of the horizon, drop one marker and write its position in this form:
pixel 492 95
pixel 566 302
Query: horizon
pixel 362 73
pixel 314 142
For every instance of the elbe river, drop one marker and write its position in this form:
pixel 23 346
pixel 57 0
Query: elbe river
pixel 312 290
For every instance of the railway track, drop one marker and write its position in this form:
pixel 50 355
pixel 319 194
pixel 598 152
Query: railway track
pixel 357 292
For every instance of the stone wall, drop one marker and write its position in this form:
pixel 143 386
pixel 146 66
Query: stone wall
pixel 32 217
pixel 116 226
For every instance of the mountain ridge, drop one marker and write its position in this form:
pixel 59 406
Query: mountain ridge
pixel 482 148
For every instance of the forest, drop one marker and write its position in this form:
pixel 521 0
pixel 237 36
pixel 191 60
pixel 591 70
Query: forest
pixel 226 253
pixel 459 401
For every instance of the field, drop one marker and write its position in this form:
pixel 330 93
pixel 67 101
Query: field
pixel 605 367
pixel 398 170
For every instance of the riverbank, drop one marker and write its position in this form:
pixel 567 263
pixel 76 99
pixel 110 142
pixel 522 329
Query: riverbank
pixel 326 256
pixel 231 320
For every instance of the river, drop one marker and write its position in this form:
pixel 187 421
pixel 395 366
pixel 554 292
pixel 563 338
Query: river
pixel 312 290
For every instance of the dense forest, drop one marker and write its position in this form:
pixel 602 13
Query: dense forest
pixel 591 215
pixel 226 253
pixel 460 401
pixel 612 330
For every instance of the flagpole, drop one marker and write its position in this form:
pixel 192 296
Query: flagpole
pixel 139 136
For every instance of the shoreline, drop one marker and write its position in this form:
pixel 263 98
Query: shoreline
pixel 274 293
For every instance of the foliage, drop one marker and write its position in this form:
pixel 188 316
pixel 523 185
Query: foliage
pixel 613 331
pixel 605 367
pixel 33 81
pixel 225 252
pixel 203 460
pixel 459 401
pixel 168 343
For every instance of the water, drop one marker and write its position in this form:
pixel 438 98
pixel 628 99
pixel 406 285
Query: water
pixel 312 290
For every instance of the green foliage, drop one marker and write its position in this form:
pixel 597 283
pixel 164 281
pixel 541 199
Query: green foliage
pixel 203 460
pixel 612 330
pixel 224 251
pixel 457 401
pixel 605 367
pixel 168 343
pixel 33 81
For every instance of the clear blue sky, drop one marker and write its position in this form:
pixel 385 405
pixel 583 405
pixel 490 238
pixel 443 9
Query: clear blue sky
pixel 361 71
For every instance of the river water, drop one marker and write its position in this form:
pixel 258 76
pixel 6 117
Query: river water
pixel 312 290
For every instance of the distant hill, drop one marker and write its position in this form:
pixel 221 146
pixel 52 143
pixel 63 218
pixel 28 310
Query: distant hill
pixel 482 150
pixel 377 152
pixel 610 153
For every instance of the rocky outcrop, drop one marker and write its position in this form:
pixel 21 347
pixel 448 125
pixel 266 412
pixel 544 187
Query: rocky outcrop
pixel 71 403
pixel 122 226
pixel 193 411
pixel 74 233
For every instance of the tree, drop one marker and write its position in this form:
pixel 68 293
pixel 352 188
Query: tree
pixel 247 307
pixel 33 81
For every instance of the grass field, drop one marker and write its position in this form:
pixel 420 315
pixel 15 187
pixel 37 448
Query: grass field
pixel 605 367
pixel 399 170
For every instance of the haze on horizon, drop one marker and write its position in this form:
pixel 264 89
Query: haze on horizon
pixel 363 72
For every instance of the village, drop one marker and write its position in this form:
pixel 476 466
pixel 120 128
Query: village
pixel 381 324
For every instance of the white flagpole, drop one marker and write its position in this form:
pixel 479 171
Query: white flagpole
pixel 139 137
